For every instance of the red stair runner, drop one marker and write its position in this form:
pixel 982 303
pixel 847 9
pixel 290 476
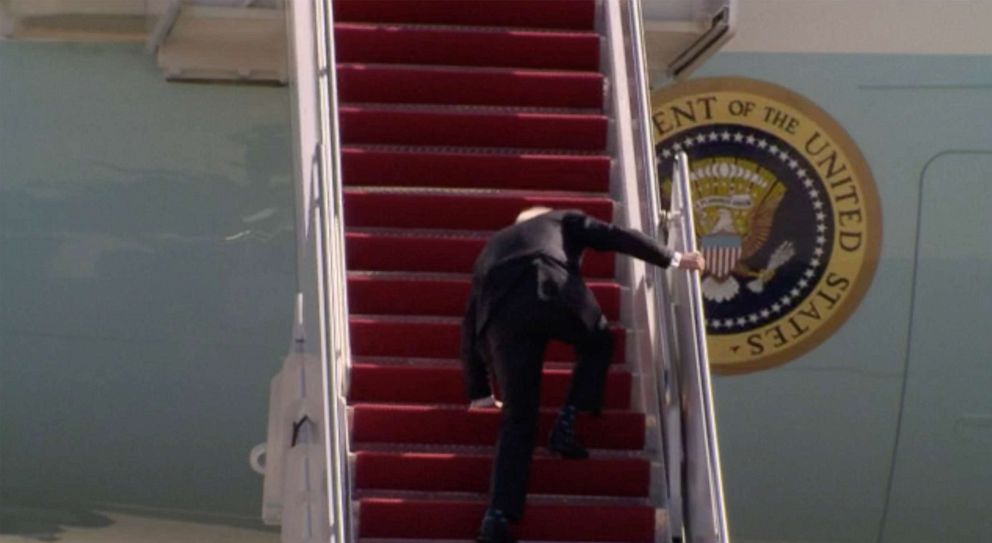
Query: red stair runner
pixel 437 338
pixel 456 211
pixel 440 425
pixel 439 297
pixel 556 14
pixel 448 169
pixel 389 84
pixel 390 126
pixel 383 383
pixel 385 251
pixel 437 519
pixel 455 472
pixel 455 116
pixel 462 47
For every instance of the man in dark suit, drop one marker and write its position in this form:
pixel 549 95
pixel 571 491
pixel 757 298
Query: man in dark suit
pixel 526 291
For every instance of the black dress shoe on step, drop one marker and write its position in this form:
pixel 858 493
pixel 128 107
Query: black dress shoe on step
pixel 495 529
pixel 562 441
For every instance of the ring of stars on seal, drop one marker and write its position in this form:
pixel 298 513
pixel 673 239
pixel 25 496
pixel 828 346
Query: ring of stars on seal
pixel 785 212
pixel 775 156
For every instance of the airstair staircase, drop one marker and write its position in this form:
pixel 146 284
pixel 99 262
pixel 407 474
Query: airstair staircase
pixel 502 109
pixel 452 116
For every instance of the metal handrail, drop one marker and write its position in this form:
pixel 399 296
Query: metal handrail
pixel 669 408
pixel 696 350
pixel 335 347
pixel 673 374
pixel 643 103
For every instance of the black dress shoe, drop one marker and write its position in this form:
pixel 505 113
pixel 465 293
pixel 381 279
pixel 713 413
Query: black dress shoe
pixel 563 441
pixel 495 529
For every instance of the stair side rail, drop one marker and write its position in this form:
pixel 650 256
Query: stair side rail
pixel 692 478
pixel 333 279
pixel 705 518
pixel 313 497
pixel 648 314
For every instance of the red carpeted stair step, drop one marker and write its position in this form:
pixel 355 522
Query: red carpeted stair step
pixel 441 297
pixel 379 167
pixel 471 211
pixel 469 86
pixel 570 14
pixel 429 519
pixel 435 425
pixel 397 336
pixel 391 383
pixel 371 125
pixel 445 472
pixel 451 254
pixel 466 47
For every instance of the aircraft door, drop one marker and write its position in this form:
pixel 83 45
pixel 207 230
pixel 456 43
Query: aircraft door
pixel 942 475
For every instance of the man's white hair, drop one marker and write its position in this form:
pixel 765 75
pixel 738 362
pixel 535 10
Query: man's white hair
pixel 532 212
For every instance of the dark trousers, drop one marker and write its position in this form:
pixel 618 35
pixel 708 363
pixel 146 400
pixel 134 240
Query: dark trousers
pixel 515 340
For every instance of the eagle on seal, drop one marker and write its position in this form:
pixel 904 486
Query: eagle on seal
pixel 734 226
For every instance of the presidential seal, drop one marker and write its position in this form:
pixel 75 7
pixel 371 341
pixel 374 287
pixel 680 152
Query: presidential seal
pixel 786 215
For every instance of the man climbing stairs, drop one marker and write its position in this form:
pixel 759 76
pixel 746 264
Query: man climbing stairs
pixel 454 116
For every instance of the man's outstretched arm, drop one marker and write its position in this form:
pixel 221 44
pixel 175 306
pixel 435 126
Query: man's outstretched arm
pixel 603 236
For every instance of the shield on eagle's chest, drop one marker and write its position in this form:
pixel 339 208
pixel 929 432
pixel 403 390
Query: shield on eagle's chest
pixel 721 251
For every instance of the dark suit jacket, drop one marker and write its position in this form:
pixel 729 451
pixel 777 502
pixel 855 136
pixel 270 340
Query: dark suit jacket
pixel 550 246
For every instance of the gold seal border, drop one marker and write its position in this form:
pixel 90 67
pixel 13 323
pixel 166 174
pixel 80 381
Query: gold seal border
pixel 871 206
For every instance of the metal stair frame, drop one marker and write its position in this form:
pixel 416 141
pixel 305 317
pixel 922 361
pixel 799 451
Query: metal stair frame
pixel 667 339
pixel 322 273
